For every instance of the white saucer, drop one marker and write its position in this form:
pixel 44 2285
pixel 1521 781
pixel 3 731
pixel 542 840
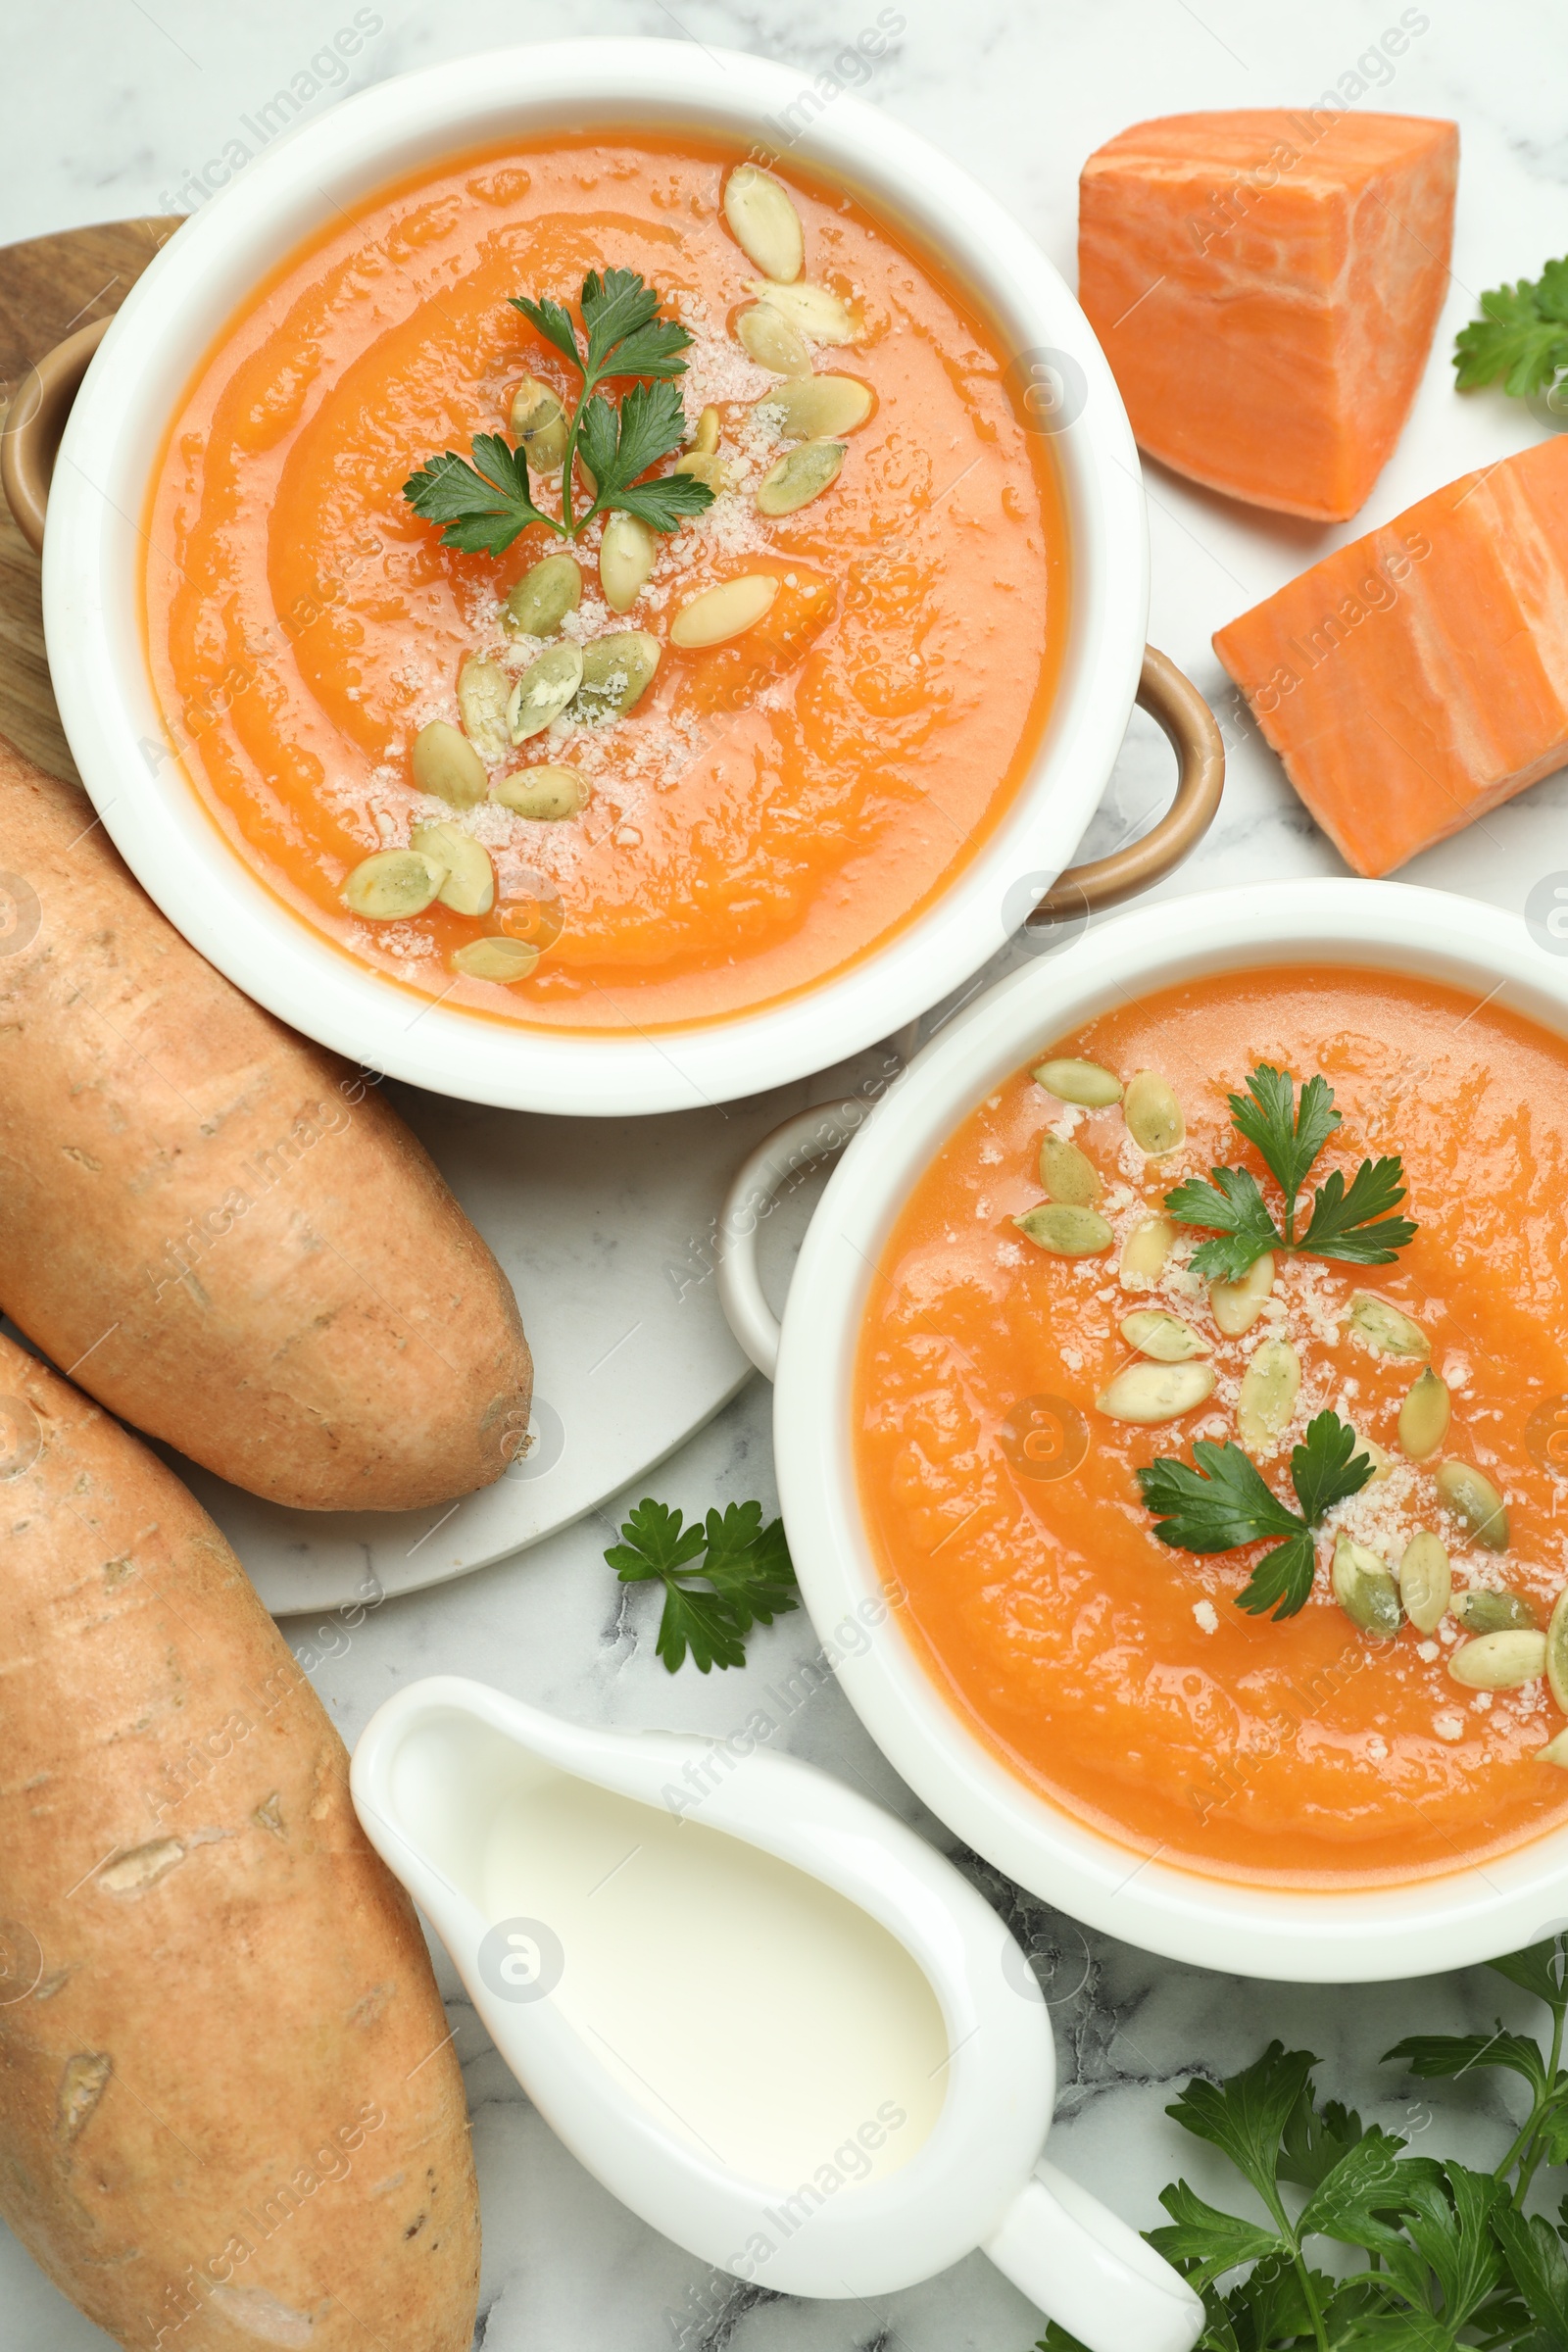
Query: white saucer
pixel 604 1228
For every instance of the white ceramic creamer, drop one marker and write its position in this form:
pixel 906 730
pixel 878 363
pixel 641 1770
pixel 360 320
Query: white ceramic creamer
pixel 763 2013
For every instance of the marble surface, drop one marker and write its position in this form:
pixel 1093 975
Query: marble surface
pixel 110 120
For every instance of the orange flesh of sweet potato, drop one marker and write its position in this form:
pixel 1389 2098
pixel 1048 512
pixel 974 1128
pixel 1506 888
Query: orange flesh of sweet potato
pixel 229 2111
pixel 1265 285
pixel 240 1248
pixel 1417 677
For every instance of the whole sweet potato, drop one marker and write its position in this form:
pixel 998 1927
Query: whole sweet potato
pixel 229 2111
pixel 211 1225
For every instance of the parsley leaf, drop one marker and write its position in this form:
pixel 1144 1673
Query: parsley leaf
pixel 1287 1136
pixel 1443 2057
pixel 1245 2117
pixel 1225 1503
pixel 1537 2265
pixel 1230 1205
pixel 746 1566
pixel 1354 1223
pixel 1222 1504
pixel 1350 1222
pixel 484 506
pixel 1327 1469
pixel 619 444
pixel 1521 334
pixel 1205 2243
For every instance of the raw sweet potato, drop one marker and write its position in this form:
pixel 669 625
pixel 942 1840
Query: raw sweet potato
pixel 1415 678
pixel 214 1227
pixel 1266 283
pixel 229 2111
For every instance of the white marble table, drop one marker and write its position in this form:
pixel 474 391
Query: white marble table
pixel 107 115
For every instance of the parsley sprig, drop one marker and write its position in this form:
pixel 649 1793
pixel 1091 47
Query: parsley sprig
pixel 1351 1222
pixel 1455 2258
pixel 485 503
pixel 1225 1503
pixel 745 1566
pixel 1521 334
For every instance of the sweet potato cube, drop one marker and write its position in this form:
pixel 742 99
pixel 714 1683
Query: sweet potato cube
pixel 1265 284
pixel 1415 678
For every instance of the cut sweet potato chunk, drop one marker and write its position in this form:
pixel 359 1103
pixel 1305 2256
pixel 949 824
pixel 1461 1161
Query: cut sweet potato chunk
pixel 1265 284
pixel 1417 677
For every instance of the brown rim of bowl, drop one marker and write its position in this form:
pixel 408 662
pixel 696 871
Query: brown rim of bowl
pixel 34 422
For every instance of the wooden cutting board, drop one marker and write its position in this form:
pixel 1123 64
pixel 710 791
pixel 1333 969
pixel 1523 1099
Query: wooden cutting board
pixel 49 286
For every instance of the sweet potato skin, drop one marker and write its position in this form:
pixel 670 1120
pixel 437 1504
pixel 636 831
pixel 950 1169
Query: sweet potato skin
pixel 229 2112
pixel 218 1229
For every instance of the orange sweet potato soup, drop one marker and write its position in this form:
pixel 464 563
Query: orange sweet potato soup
pixel 597 796
pixel 1364 1677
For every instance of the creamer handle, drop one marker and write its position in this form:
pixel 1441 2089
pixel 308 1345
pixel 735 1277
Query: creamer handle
pixel 1089 2272
pixel 809 1135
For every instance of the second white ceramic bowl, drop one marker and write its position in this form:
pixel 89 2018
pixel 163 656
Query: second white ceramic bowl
pixel 94 554
pixel 1297 1934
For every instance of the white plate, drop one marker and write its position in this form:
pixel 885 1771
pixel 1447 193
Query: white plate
pixel 604 1228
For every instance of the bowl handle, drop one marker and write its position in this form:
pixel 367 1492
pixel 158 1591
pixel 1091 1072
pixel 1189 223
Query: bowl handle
pixel 34 422
pixel 1085 2268
pixel 1175 704
pixel 809 1135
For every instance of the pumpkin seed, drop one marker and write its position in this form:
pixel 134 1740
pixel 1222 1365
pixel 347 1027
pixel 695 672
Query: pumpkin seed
pixel 1483 1610
pixel 1067 1174
pixel 446 764
pixel 470 887
pixel 483 689
pixel 1426 1581
pixel 392 883
pixel 538 603
pixel 1065 1230
pixel 1381 1459
pixel 1382 1328
pixel 1499 1661
pixel 1148 1392
pixel 817 312
pixel 1558 1651
pixel 765 224
pixel 1145 1249
pixel 1474 1500
pixel 544 690
pixel 1364 1588
pixel 1081 1082
pixel 814 406
pixel 542 791
pixel 1237 1306
pixel 801 474
pixel 1555 1751
pixel 539 422
pixel 1166 1337
pixel 725 611
pixel 1424 1416
pixel 768 337
pixel 625 560
pixel 717 472
pixel 1152 1115
pixel 502 959
pixel 615 673
pixel 1270 1385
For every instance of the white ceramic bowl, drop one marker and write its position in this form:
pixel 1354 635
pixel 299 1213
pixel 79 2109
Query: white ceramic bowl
pixel 1350 1936
pixel 93 557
